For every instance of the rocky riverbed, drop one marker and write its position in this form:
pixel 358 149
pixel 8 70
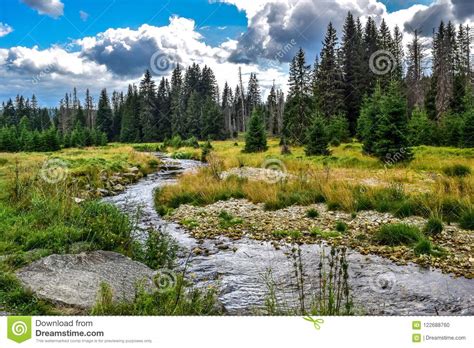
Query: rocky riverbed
pixel 234 260
pixel 244 219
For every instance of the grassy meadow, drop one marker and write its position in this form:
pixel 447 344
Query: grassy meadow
pixel 347 180
pixel 40 215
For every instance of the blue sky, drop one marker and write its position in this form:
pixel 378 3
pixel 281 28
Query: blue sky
pixel 31 28
pixel 226 34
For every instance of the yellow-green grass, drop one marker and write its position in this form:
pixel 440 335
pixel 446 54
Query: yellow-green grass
pixel 85 165
pixel 348 180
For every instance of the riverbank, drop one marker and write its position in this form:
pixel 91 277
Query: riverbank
pixel 345 199
pixel 51 213
pixel 237 219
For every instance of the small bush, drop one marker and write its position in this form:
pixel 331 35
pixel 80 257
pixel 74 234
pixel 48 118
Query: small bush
pixel 312 213
pixel 433 227
pixel 341 226
pixel 398 234
pixel 457 170
pixel 423 247
pixel 466 220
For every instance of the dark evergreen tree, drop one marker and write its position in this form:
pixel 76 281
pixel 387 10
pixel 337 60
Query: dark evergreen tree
pixel 163 102
pixel 178 116
pixel 148 123
pixel 297 116
pixel 329 76
pixel 253 94
pixel 352 70
pixel 317 143
pixel 129 128
pixel 368 120
pixel 256 138
pixel 421 130
pixel 391 142
pixel 370 46
pixel 104 115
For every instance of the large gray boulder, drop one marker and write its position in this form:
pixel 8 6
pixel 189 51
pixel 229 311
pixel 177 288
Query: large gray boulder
pixel 74 280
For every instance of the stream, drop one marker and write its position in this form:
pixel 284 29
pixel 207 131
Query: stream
pixel 379 286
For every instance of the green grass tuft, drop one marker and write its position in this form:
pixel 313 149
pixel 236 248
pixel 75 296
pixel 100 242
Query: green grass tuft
pixel 398 234
pixel 433 226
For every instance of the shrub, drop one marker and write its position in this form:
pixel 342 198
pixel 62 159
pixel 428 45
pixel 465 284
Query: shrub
pixel 312 213
pixel 466 220
pixel 398 234
pixel 341 226
pixel 457 170
pixel 433 227
pixel 423 247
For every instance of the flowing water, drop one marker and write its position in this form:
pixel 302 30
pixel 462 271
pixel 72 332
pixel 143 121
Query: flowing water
pixel 378 285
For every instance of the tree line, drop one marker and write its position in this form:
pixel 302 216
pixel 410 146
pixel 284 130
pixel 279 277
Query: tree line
pixel 363 86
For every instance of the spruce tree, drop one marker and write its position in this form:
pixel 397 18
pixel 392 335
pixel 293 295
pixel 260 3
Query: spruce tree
pixel 352 70
pixel 177 105
pixel 256 138
pixel 104 114
pixel 420 128
pixel 298 108
pixel 163 109
pixel 391 142
pixel 369 114
pixel 129 131
pixel 329 76
pixel 148 122
pixel 317 139
pixel 193 115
